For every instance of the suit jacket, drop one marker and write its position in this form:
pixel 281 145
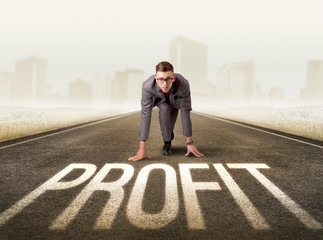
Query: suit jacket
pixel 179 98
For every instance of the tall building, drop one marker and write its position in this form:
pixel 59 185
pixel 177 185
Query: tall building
pixel 6 88
pixel 235 83
pixel 102 89
pixel 127 86
pixel 313 91
pixel 260 96
pixel 80 93
pixel 135 80
pixel 189 58
pixel 30 87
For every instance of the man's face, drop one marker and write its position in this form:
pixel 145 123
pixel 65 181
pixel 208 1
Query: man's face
pixel 165 80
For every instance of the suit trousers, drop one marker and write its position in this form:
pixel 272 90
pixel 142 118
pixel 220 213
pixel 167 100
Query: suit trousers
pixel 167 119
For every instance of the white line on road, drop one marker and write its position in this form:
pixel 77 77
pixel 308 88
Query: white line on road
pixel 70 129
pixel 127 114
pixel 255 218
pixel 260 130
pixel 292 206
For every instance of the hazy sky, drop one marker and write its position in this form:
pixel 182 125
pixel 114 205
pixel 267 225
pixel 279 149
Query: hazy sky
pixel 80 37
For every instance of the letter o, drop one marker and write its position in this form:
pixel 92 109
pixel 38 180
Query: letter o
pixel 135 213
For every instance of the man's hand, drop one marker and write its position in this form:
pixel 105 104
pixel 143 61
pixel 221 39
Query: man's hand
pixel 192 149
pixel 141 154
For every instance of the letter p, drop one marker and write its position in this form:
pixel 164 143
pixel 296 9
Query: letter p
pixel 52 184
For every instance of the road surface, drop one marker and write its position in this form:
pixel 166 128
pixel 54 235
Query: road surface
pixel 77 183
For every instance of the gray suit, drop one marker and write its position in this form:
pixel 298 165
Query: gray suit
pixel 180 98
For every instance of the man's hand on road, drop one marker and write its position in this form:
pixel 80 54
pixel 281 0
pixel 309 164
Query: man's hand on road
pixel 193 149
pixel 141 154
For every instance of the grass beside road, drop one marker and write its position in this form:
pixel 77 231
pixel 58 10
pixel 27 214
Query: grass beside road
pixel 304 121
pixel 17 122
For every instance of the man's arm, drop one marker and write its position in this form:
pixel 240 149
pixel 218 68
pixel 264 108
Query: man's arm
pixel 146 109
pixel 186 109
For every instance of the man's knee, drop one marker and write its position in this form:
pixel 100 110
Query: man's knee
pixel 164 108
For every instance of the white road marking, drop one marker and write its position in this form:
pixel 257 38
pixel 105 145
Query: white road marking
pixel 135 213
pixel 260 130
pixel 110 210
pixel 193 211
pixel 51 184
pixel 67 130
pixel 255 218
pixel 301 214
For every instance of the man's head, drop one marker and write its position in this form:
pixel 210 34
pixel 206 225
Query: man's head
pixel 165 75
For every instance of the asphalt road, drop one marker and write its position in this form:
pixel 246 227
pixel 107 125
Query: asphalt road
pixel 78 184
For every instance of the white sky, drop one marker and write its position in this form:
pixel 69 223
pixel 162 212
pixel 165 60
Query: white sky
pixel 80 37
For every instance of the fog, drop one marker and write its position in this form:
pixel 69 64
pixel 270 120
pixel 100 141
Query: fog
pixel 86 53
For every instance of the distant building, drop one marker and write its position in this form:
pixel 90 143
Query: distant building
pixel 313 91
pixel 235 83
pixel 189 58
pixel 6 88
pixel 80 93
pixel 276 95
pixel 30 87
pixel 259 94
pixel 127 86
pixel 102 89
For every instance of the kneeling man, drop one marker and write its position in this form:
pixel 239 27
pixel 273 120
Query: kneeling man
pixel 170 92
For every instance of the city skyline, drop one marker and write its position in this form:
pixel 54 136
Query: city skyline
pixel 79 38
pixel 235 83
pixel 55 85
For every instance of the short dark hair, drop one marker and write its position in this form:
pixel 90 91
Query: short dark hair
pixel 164 67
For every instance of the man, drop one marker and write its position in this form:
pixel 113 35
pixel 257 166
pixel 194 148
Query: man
pixel 169 92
